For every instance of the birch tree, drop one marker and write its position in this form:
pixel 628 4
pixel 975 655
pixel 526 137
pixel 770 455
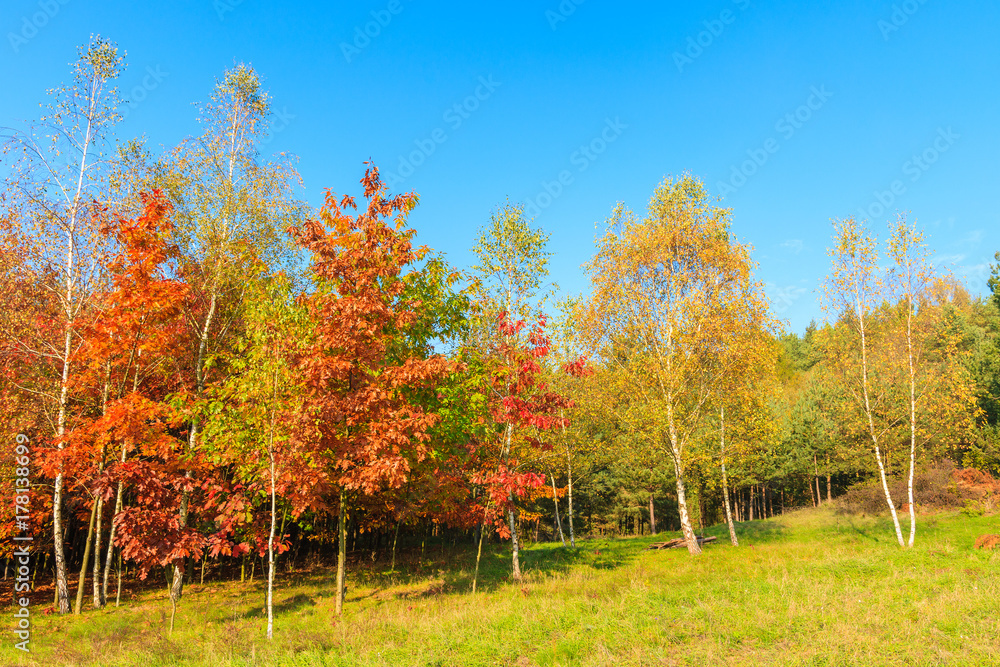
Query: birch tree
pixel 59 167
pixel 511 271
pixel 668 291
pixel 231 210
pixel 854 289
pixel 911 275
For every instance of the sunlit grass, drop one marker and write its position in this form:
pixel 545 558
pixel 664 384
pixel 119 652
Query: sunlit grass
pixel 810 588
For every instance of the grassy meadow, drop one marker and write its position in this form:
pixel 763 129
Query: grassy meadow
pixel 809 588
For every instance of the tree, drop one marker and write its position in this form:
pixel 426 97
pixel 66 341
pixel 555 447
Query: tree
pixel 668 292
pixel 230 212
pixel 509 326
pixel 521 408
pixel 138 312
pixel 581 436
pixel 59 168
pixel 130 353
pixel 912 273
pixel 854 289
pixel 359 417
pixel 261 393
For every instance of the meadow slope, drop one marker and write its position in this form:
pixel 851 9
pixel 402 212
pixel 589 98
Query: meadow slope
pixel 810 588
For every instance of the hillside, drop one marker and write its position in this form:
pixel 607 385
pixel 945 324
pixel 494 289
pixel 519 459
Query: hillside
pixel 812 587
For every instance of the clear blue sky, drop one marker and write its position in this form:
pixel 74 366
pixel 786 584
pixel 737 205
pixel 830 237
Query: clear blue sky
pixel 834 99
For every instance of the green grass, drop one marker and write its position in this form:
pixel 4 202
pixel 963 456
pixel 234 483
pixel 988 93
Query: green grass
pixel 809 588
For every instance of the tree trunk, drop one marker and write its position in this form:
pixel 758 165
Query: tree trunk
pixel 341 553
pixel 725 480
pixel 62 584
pixel 177 588
pixel 479 554
pixel 99 598
pixel 270 553
pixel 569 483
pixel 111 544
pixel 686 528
pixel 652 516
pixel 888 496
pixel 819 492
pixel 86 559
pixel 177 585
pixel 118 595
pixel 515 546
pixel 871 423
pixel 555 499
pixel 682 509
pixel 395 537
pixel 569 498
pixel 913 418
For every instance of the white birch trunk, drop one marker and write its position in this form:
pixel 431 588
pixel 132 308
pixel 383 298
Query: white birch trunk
pixel 270 557
pixel 555 499
pixel 871 425
pixel 569 486
pixel 686 528
pixel 913 417
pixel 725 480
pixel 341 553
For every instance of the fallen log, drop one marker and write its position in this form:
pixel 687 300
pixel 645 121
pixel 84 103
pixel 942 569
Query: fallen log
pixel 678 542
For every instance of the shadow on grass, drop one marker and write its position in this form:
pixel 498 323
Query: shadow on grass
pixel 288 606
pixel 757 531
pixel 538 560
pixel 450 570
pixel 863 532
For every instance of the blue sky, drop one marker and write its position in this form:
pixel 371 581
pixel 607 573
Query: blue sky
pixel 796 114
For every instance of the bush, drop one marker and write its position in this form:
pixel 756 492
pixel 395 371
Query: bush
pixel 939 486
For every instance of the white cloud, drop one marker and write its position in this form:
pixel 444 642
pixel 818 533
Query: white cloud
pixel 795 245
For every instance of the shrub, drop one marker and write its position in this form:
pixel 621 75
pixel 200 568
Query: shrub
pixel 938 486
pixel 988 542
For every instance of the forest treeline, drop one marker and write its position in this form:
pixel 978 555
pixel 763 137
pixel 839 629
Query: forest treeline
pixel 210 372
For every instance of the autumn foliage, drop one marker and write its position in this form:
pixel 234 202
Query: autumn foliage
pixel 210 371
